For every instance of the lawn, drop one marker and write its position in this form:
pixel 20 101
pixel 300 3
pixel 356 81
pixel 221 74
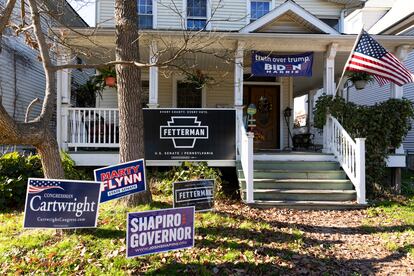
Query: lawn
pixel 234 239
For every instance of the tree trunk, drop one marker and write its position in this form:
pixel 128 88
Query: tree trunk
pixel 131 128
pixel 50 156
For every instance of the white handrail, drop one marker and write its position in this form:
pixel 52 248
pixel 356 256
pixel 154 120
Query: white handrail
pixel 245 150
pixel 350 154
pixel 93 127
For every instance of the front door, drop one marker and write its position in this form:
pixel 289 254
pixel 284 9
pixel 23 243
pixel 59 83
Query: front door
pixel 267 101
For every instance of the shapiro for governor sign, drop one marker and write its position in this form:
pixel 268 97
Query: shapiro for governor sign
pixel 60 204
pixel 190 134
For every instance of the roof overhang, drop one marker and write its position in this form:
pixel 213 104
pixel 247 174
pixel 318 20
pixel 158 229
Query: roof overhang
pixel 92 37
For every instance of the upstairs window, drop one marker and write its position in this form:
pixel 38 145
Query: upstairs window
pixel 145 14
pixel 258 9
pixel 196 14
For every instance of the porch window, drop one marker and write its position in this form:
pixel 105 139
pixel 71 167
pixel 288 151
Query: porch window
pixel 145 14
pixel 258 9
pixel 196 14
pixel 188 95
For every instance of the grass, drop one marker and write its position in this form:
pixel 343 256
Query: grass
pixel 225 244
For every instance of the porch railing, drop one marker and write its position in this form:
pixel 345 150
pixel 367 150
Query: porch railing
pixel 93 127
pixel 245 153
pixel 350 154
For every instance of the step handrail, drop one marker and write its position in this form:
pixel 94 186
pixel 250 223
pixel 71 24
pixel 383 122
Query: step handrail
pixel 349 153
pixel 245 150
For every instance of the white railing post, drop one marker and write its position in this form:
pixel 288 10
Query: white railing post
pixel 360 169
pixel 64 119
pixel 249 170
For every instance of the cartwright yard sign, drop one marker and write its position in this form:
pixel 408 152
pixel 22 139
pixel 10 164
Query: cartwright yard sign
pixel 199 134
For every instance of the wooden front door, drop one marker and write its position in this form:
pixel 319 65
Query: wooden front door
pixel 267 101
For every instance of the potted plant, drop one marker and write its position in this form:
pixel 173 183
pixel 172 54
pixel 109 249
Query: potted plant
pixel 106 78
pixel 199 78
pixel 360 79
pixel 86 94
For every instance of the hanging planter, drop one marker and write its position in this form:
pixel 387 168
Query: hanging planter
pixel 360 79
pixel 106 78
pixel 199 79
pixel 110 81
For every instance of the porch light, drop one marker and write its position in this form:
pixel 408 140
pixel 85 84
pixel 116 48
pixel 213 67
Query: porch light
pixel 287 113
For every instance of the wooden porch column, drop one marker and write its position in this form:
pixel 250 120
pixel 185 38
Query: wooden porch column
pixel 329 85
pixel 63 95
pixel 238 86
pixel 329 69
pixel 397 92
pixel 153 76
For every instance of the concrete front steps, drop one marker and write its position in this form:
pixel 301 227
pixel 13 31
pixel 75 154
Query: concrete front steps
pixel 300 184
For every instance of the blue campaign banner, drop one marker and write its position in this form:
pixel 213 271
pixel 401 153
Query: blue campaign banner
pixel 61 204
pixel 121 180
pixel 268 65
pixel 159 231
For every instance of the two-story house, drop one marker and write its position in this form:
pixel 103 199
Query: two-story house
pixel 277 32
pixel 22 78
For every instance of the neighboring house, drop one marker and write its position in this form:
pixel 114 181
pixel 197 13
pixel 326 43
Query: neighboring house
pixel 279 177
pixel 386 18
pixel 22 78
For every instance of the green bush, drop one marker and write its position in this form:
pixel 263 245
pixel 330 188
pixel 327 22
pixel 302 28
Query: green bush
pixel 16 168
pixel 384 125
pixel 162 182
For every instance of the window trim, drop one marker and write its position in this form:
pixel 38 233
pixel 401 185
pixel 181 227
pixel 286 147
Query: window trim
pixel 177 79
pixel 207 18
pixel 272 5
pixel 154 14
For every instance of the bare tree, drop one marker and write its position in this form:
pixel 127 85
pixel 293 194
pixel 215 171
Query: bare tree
pixel 128 65
pixel 37 131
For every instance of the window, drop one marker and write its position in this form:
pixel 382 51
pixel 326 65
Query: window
pixel 258 9
pixel 145 14
pixel 196 14
pixel 188 95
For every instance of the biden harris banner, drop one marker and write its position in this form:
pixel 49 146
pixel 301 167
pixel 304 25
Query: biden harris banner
pixel 159 231
pixel 121 180
pixel 268 65
pixel 197 193
pixel 182 134
pixel 61 204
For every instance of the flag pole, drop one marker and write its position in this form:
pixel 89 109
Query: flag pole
pixel 349 58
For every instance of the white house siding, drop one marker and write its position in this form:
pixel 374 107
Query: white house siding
pixel 105 13
pixel 319 8
pixel 168 14
pixel 227 14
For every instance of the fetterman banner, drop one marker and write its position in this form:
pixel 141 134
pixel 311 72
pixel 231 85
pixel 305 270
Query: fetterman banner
pixel 268 65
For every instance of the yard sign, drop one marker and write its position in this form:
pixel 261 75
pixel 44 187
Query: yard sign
pixel 61 204
pixel 121 180
pixel 159 231
pixel 197 193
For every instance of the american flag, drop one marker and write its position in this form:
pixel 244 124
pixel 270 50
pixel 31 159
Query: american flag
pixel 37 186
pixel 370 57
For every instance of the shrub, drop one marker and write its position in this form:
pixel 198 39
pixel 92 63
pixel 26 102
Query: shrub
pixel 16 168
pixel 384 125
pixel 162 182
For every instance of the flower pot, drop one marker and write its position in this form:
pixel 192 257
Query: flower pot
pixel 110 81
pixel 360 84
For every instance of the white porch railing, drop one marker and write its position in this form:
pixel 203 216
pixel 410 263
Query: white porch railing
pixel 93 127
pixel 350 154
pixel 245 153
